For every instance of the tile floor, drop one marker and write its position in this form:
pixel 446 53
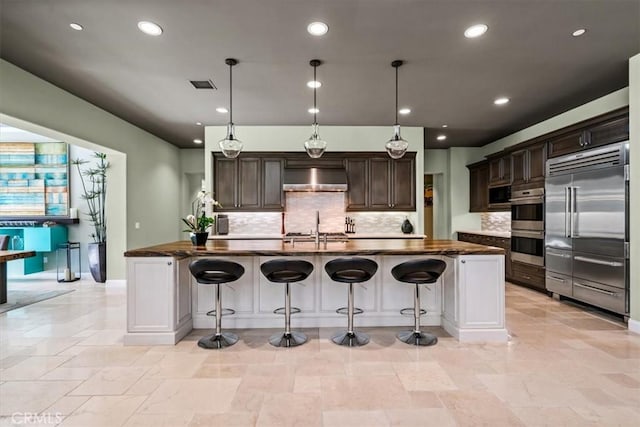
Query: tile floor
pixel 62 362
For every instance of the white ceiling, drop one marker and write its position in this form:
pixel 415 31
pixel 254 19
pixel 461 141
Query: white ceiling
pixel 528 54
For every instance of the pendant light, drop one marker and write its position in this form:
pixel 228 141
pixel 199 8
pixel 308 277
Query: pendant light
pixel 315 145
pixel 396 146
pixel 230 145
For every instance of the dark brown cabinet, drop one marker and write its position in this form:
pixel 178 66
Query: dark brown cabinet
pixel 614 129
pixel 500 170
pixel 527 166
pixel 357 184
pixel 389 184
pixel 479 187
pixel 500 242
pixel 248 183
pixel 529 275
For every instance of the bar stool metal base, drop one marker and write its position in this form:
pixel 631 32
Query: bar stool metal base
pixel 291 339
pixel 350 339
pixel 417 338
pixel 224 339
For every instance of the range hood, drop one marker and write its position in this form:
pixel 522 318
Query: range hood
pixel 315 179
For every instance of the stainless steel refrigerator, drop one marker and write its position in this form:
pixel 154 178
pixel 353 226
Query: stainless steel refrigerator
pixel 587 226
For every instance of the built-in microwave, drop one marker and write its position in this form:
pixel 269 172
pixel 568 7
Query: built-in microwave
pixel 499 197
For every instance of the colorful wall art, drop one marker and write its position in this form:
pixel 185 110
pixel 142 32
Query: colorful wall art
pixel 34 179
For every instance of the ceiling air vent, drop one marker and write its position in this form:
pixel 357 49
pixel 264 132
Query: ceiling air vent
pixel 203 84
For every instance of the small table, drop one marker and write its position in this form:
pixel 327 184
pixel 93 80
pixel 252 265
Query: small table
pixel 9 256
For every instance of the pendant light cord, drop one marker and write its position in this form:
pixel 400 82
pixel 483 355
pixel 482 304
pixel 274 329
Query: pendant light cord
pixel 315 84
pixel 231 93
pixel 396 95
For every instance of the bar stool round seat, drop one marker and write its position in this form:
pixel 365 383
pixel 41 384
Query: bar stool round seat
pixel 350 270
pixel 287 271
pixel 418 272
pixel 216 272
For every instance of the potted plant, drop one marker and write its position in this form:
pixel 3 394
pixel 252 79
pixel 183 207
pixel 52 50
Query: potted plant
pixel 198 222
pixel 94 187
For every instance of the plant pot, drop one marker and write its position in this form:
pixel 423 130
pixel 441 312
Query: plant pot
pixel 98 261
pixel 200 239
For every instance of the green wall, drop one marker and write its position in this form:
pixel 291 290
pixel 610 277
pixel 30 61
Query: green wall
pixel 145 178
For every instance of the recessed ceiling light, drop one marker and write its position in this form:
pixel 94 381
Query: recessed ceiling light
pixel 404 110
pixel 579 32
pixel 150 28
pixel 475 31
pixel 76 26
pixel 317 28
pixel 441 137
pixel 445 126
pixel 314 84
pixel 313 111
pixel 197 141
pixel 198 123
pixel 501 101
pixel 222 110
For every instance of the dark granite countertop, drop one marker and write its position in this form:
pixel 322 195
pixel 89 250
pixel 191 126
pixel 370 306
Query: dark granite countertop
pixel 184 249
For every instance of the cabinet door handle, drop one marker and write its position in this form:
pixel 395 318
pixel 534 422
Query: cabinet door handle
pixel 526 277
pixel 169 263
pixel 463 261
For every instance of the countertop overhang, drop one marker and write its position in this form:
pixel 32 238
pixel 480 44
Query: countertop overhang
pixel 370 247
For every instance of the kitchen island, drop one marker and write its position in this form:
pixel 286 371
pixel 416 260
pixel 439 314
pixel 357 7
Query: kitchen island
pixel 164 303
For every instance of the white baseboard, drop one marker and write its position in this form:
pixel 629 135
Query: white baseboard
pixel 634 326
pixel 475 335
pixel 158 338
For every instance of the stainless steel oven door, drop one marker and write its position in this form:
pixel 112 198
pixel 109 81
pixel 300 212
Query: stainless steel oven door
pixel 527 247
pixel 527 210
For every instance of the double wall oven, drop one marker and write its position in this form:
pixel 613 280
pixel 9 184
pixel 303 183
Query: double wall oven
pixel 527 226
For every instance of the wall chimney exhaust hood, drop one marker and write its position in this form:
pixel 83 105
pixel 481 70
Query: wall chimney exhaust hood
pixel 315 179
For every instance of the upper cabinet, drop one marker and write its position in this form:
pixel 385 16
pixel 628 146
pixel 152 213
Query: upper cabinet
pixel 527 165
pixel 248 183
pixel 606 130
pixel 479 187
pixel 392 184
pixel 499 170
pixel 357 183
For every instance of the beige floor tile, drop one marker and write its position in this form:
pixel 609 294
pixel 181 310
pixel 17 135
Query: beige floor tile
pixel 201 395
pixel 354 418
pixel 107 411
pixel 160 420
pixel 478 408
pixel 32 368
pixel 70 374
pixel 564 365
pixel 550 417
pixel 424 376
pixel 67 404
pixel 100 357
pixel 109 381
pixel 229 419
pixel 440 417
pixel 289 409
pixel 32 396
pixel 363 393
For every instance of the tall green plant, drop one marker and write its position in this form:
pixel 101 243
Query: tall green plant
pixel 94 187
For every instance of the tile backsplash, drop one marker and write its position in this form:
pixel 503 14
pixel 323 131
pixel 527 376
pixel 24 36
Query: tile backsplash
pixel 495 221
pixel 300 215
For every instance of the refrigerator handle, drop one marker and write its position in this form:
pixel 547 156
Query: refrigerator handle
pixel 567 213
pixel 574 208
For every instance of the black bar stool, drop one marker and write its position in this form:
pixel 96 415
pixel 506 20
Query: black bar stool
pixel 350 270
pixel 418 272
pixel 287 271
pixel 215 272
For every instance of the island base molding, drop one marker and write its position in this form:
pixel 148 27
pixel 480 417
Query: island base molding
pixel 164 302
